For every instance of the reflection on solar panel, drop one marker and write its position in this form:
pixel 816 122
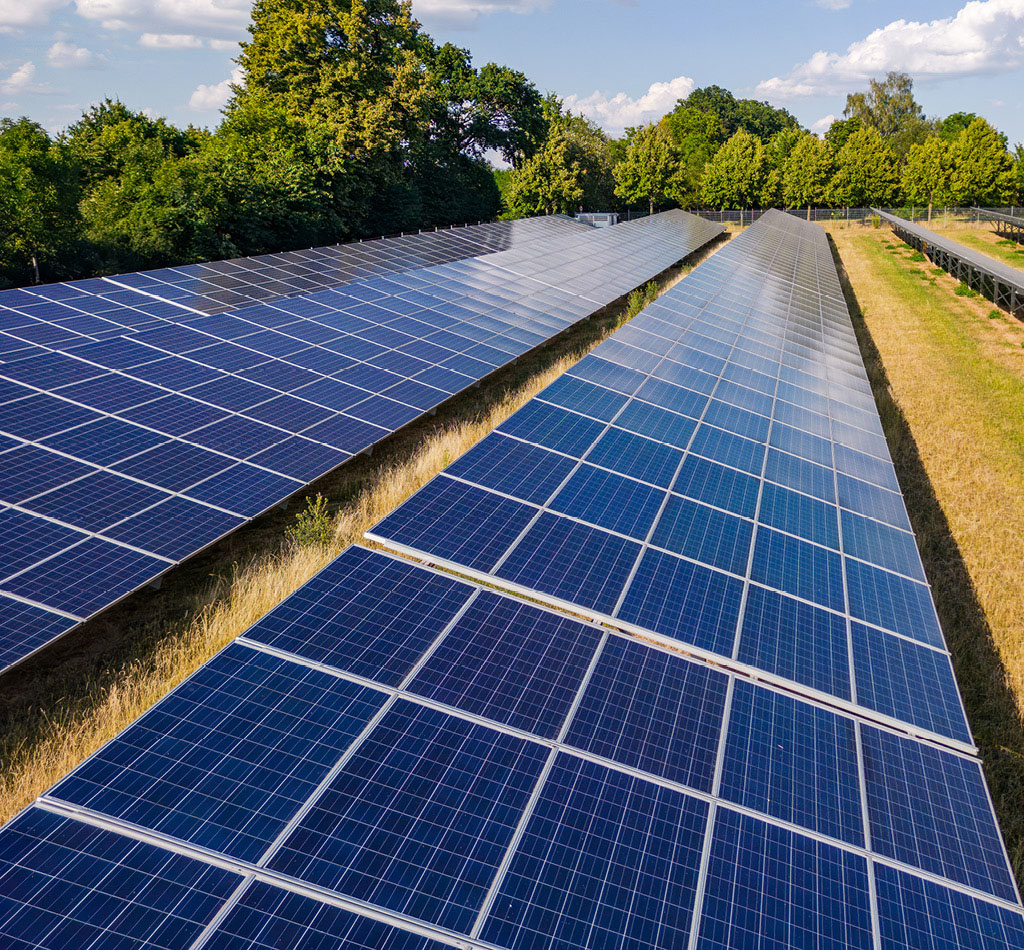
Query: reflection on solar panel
pixel 1002 284
pixel 145 416
pixel 714 478
pixel 399 758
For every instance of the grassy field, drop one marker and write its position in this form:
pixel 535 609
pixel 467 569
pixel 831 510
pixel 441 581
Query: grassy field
pixel 948 375
pixel 60 706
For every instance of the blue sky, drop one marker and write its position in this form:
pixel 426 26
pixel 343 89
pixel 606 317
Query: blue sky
pixel 620 61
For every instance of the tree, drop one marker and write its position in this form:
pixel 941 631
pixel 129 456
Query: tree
pixel 734 178
pixel 776 153
pixel 757 118
pixel 927 173
pixel 473 111
pixel 646 171
pixel 572 169
pixel 839 131
pixel 39 193
pixel 889 107
pixel 694 137
pixel 865 171
pixel 951 126
pixel 983 170
pixel 806 173
pixel 1018 197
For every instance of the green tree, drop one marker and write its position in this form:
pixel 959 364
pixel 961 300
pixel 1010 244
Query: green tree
pixel 983 172
pixel 757 118
pixel 927 173
pixel 694 136
pixel 39 194
pixel 951 126
pixel 776 153
pixel 807 173
pixel 647 170
pixel 890 108
pixel 1018 197
pixel 839 131
pixel 734 178
pixel 866 172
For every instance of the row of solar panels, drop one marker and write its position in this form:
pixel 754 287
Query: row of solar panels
pixel 398 758
pixel 978 260
pixel 133 432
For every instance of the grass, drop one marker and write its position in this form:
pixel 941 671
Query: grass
pixel 949 383
pixel 60 706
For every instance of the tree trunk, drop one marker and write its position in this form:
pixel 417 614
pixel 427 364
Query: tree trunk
pixel 35 268
pixel 808 212
pixel 929 211
pixel 652 206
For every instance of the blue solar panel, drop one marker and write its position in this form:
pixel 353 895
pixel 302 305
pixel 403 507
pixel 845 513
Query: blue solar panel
pixel 267 918
pixel 797 641
pixel 419 818
pixel 930 809
pixel 652 711
pixel 794 761
pixel 64 884
pixel 907 681
pixel 915 914
pixel 602 859
pixel 366 614
pixel 610 501
pixel 293 375
pixel 511 663
pixel 775 889
pixel 227 759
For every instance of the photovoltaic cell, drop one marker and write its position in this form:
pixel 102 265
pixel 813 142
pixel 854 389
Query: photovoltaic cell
pixel 419 818
pixel 602 858
pixel 228 758
pixel 775 889
pixel 652 711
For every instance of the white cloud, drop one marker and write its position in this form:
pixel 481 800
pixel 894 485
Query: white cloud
pixel 170 41
pixel 15 14
pixel 823 124
pixel 224 44
pixel 22 81
pixel 615 113
pixel 68 56
pixel 833 4
pixel 985 36
pixel 210 98
pixel 202 17
pixel 466 12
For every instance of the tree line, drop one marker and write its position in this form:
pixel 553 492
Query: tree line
pixel 716 151
pixel 349 121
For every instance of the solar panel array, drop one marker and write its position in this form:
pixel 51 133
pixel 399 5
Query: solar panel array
pixel 137 426
pixel 399 758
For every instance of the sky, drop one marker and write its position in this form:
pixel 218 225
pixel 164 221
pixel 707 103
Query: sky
pixel 621 62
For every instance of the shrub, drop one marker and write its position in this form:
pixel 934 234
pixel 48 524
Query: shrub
pixel 964 291
pixel 314 525
pixel 994 314
pixel 917 257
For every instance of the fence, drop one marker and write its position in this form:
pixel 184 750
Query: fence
pixel 937 216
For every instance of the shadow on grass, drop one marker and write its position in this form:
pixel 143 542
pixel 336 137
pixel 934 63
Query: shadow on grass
pixel 992 709
pixel 76 672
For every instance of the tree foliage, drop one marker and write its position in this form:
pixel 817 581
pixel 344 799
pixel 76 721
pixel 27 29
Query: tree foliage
pixel 646 172
pixel 927 173
pixel 735 176
pixel 889 107
pixel 808 171
pixel 983 172
pixel 866 171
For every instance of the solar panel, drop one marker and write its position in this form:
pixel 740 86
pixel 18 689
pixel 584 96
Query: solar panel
pixel 150 437
pixel 478 770
pixel 517 778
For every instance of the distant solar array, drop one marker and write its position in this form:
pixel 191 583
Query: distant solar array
pixel 398 758
pixel 1007 225
pixel 135 429
pixel 1001 283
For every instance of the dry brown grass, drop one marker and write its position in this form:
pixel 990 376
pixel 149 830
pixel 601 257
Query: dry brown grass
pixel 949 381
pixel 60 707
